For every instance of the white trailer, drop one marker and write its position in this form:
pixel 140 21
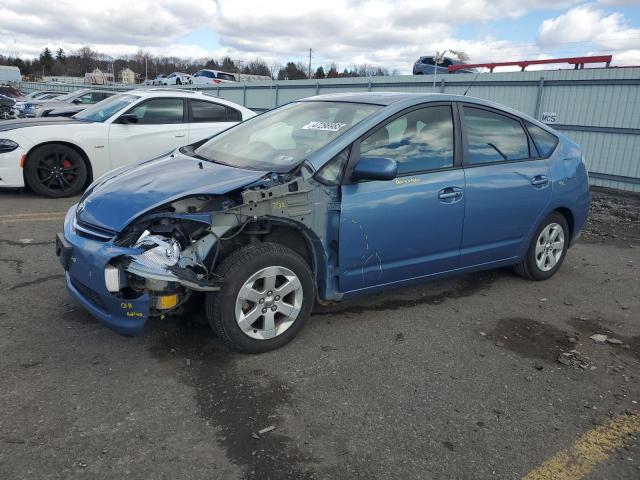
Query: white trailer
pixel 9 75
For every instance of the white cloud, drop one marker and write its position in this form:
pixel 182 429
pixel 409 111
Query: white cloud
pixel 141 22
pixel 619 3
pixel 589 24
pixel 386 33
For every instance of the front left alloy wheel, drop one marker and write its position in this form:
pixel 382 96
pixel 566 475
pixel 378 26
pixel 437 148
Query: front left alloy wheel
pixel 267 295
pixel 56 171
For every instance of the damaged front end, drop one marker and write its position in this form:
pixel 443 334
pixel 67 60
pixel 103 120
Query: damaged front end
pixel 173 251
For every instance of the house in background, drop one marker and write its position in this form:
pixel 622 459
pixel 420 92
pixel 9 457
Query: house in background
pixel 127 75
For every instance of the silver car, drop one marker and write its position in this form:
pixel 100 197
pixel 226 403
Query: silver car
pixel 41 108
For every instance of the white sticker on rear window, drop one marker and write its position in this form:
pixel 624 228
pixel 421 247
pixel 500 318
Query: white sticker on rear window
pixel 326 126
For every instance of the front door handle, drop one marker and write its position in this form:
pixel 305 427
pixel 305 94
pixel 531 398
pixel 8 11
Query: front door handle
pixel 181 135
pixel 450 194
pixel 540 181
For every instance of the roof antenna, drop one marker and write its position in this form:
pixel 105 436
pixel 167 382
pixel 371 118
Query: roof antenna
pixel 472 82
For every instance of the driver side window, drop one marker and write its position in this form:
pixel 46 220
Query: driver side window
pixel 418 141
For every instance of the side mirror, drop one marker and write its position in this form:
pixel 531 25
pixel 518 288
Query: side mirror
pixel 375 168
pixel 76 101
pixel 128 118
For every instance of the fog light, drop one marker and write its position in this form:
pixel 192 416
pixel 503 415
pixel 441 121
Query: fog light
pixel 164 302
pixel 112 278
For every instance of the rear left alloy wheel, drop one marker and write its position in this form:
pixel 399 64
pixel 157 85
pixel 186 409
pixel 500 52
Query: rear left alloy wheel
pixel 5 113
pixel 55 171
pixel 547 249
pixel 266 297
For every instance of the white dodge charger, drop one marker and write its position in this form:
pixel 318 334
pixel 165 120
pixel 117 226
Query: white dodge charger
pixel 59 157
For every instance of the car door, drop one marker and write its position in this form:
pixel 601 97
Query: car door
pixel 207 118
pixel 507 186
pixel 410 227
pixel 161 127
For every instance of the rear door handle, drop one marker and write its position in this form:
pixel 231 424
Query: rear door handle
pixel 450 194
pixel 540 180
pixel 180 135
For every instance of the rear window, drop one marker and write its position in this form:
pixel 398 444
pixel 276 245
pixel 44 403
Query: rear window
pixel 226 76
pixel 544 141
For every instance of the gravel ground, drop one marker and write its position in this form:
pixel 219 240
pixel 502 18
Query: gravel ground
pixel 481 376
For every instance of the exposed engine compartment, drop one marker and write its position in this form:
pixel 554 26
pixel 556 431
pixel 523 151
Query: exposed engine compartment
pixel 181 243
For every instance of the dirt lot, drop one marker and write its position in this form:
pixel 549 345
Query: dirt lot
pixel 454 379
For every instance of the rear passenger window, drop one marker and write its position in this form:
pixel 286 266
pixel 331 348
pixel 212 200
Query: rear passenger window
pixel 545 142
pixel 418 141
pixel 492 137
pixel 204 112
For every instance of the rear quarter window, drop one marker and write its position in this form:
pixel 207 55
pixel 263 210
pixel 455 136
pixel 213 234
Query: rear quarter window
pixel 544 141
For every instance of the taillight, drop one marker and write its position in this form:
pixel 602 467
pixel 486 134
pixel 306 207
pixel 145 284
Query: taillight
pixel 215 80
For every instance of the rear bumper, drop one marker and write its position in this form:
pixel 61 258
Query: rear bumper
pixel 10 170
pixel 85 263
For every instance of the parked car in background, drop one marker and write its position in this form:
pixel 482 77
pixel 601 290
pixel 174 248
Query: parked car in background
pixel 212 77
pixel 177 78
pixel 328 197
pixel 6 107
pixel 42 95
pixel 58 157
pixel 158 80
pixel 41 108
pixel 426 66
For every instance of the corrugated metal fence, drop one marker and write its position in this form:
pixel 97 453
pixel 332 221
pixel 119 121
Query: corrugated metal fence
pixel 598 108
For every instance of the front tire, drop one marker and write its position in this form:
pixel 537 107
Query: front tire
pixel 5 113
pixel 267 296
pixel 547 249
pixel 56 171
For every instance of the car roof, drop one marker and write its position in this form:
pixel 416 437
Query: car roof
pixel 404 99
pixel 155 92
pixel 392 103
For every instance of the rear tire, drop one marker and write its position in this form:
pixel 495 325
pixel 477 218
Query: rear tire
pixel 56 171
pixel 248 314
pixel 547 249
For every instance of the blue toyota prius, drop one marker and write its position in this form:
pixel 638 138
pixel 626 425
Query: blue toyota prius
pixel 324 198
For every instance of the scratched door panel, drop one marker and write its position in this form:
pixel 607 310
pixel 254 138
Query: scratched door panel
pixel 399 230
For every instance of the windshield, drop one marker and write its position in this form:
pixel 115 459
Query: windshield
pixel 277 141
pixel 103 110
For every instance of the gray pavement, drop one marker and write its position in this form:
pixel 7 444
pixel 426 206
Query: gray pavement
pixel 453 379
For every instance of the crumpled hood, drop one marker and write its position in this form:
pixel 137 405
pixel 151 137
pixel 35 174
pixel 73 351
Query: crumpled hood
pixel 117 199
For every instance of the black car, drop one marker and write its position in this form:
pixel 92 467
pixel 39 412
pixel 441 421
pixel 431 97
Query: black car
pixel 6 107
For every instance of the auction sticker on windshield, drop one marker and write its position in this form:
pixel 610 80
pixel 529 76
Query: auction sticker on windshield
pixel 326 126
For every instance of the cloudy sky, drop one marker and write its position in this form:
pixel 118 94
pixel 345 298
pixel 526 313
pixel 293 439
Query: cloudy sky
pixel 386 33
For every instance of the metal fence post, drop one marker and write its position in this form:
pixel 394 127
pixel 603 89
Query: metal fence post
pixel 275 103
pixel 442 85
pixel 317 87
pixel 369 86
pixel 539 99
pixel 244 94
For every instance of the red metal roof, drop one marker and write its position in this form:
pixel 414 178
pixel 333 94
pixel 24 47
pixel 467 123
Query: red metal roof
pixel 579 62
